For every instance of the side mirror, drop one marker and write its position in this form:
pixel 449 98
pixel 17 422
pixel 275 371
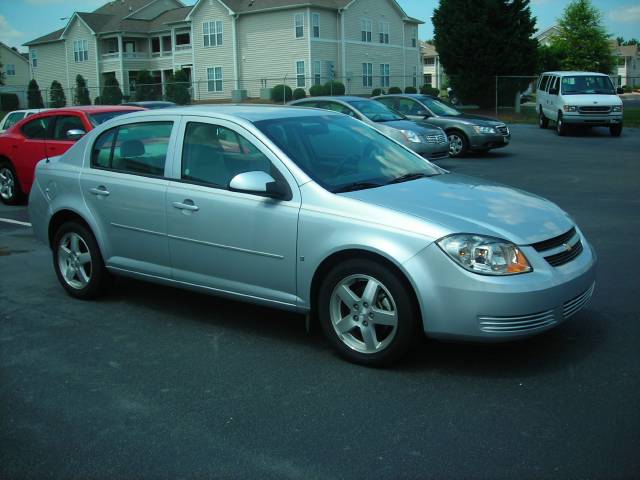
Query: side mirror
pixel 75 134
pixel 619 90
pixel 553 91
pixel 423 113
pixel 259 183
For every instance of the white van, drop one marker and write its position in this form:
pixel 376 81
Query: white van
pixel 14 117
pixel 578 98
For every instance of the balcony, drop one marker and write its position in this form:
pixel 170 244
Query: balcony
pixel 182 48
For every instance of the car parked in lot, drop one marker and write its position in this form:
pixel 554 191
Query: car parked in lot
pixel 585 99
pixel 465 132
pixel 43 135
pixel 14 117
pixel 425 139
pixel 151 104
pixel 312 211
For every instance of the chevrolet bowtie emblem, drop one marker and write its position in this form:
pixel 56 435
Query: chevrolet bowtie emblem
pixel 567 247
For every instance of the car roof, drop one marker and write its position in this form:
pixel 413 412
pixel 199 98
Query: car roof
pixel 251 113
pixel 567 73
pixel 146 102
pixel 342 98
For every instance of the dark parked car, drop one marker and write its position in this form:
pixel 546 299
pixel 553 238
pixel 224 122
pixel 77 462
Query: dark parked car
pixel 151 104
pixel 466 132
pixel 427 140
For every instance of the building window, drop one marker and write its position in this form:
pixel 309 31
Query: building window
pixel 428 79
pixel 384 74
pixel 430 61
pixel 367 74
pixel 384 32
pixel 298 21
pixel 315 24
pixel 317 66
pixel 80 51
pixel 300 73
pixel 415 76
pixel 365 30
pixel 214 79
pixel 414 35
pixel 10 70
pixel 212 32
pixel 34 58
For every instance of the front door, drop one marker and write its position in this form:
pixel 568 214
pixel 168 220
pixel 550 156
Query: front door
pixel 60 141
pixel 125 189
pixel 236 243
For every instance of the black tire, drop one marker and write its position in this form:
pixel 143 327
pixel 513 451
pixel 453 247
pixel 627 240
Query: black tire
pixel 98 275
pixel 615 130
pixel 561 128
pixel 543 122
pixel 398 338
pixel 10 191
pixel 458 143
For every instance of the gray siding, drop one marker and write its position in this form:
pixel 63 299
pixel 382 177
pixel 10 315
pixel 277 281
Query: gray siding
pixel 51 66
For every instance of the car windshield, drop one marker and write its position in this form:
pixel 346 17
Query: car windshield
pixel 439 108
pixel 342 154
pixel 587 84
pixel 375 111
pixel 99 118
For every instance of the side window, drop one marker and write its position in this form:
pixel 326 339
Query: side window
pixel 12 119
pixel 553 83
pixel 212 155
pixel 338 107
pixel 408 107
pixel 37 129
pixel 64 124
pixel 137 148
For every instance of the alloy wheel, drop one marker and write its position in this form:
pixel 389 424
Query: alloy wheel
pixel 363 314
pixel 455 145
pixel 74 260
pixel 7 183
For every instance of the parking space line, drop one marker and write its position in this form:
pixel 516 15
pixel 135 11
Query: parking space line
pixel 15 222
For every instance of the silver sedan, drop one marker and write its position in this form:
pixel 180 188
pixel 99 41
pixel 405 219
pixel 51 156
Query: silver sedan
pixel 314 212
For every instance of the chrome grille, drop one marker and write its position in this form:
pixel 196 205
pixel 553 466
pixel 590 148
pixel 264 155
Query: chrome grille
pixel 522 323
pixel 575 305
pixel 439 138
pixel 561 249
pixel 502 130
pixel 555 241
pixel 565 257
pixel 595 109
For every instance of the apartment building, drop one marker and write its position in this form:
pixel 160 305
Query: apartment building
pixel 432 71
pixel 628 67
pixel 236 46
pixel 15 67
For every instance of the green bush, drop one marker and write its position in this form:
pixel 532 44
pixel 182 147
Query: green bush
pixel 395 90
pixel 82 92
pixel 178 88
pixel 376 92
pixel 111 93
pixel 627 89
pixel 299 93
pixel 333 87
pixel 97 100
pixel 410 90
pixel 281 93
pixel 9 102
pixel 57 98
pixel 34 96
pixel 316 91
pixel 145 87
pixel 427 89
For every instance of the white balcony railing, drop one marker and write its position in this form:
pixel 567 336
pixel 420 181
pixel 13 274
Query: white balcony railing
pixel 136 55
pixel 182 48
pixel 110 56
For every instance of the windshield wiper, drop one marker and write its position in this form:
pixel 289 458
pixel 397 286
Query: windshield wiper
pixel 411 176
pixel 350 187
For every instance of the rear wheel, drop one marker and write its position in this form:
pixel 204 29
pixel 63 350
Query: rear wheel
pixel 543 122
pixel 10 191
pixel 561 128
pixel 78 262
pixel 366 312
pixel 615 130
pixel 458 143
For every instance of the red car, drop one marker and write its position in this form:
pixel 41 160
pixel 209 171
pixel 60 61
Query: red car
pixel 43 135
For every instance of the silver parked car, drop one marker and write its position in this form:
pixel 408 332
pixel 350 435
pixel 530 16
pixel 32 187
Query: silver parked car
pixel 314 212
pixel 466 132
pixel 427 140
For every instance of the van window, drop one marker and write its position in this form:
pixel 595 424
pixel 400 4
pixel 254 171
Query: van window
pixel 553 83
pixel 543 83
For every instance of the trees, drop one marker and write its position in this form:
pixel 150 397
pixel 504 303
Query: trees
pixel 57 97
pixel 479 40
pixel 1 75
pixel 583 43
pixel 34 96
pixel 145 87
pixel 177 88
pixel 81 96
pixel 111 93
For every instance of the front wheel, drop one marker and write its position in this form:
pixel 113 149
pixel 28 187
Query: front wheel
pixel 78 262
pixel 458 143
pixel 561 128
pixel 10 191
pixel 366 313
pixel 615 130
pixel 543 122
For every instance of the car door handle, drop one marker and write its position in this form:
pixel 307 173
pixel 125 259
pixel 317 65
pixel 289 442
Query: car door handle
pixel 187 205
pixel 100 191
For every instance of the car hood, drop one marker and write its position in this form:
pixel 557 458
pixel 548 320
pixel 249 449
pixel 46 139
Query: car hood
pixel 474 120
pixel 413 126
pixel 471 205
pixel 581 100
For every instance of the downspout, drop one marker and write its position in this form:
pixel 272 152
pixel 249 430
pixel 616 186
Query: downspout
pixel 344 52
pixel 309 66
pixel 95 36
pixel 234 19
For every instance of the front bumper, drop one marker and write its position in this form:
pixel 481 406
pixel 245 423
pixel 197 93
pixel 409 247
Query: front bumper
pixel 606 120
pixel 462 305
pixel 487 142
pixel 431 151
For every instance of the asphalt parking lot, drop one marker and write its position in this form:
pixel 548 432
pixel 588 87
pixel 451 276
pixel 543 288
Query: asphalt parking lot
pixel 153 382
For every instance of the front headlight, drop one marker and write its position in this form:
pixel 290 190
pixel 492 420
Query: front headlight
pixel 485 255
pixel 484 130
pixel 570 108
pixel 410 136
pixel 617 108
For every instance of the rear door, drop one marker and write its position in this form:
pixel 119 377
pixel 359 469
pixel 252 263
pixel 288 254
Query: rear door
pixel 125 188
pixel 29 147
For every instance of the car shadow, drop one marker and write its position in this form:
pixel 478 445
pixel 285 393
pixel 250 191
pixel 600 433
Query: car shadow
pixel 560 348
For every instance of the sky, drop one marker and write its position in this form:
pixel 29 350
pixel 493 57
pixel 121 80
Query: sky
pixel 24 20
